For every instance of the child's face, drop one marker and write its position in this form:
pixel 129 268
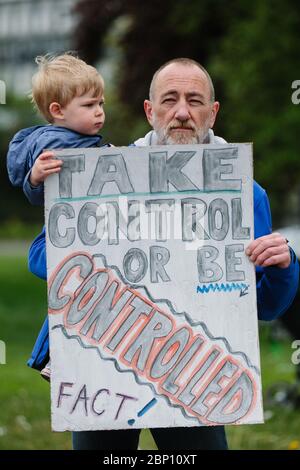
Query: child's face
pixel 84 114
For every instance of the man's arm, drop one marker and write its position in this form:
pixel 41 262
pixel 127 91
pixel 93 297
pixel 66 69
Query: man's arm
pixel 277 269
pixel 276 289
pixel 37 256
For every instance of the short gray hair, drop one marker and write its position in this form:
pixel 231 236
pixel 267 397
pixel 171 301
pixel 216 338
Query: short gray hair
pixel 183 61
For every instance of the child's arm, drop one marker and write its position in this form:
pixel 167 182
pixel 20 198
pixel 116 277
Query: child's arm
pixel 45 165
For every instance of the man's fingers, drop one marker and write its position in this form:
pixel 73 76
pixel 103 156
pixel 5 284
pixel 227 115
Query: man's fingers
pixel 270 246
pixel 270 253
pixel 262 243
pixel 261 257
pixel 269 250
pixel 282 260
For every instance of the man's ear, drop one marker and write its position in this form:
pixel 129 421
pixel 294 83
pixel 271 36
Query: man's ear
pixel 56 111
pixel 149 111
pixel 214 112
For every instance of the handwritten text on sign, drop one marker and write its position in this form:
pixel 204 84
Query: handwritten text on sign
pixel 150 286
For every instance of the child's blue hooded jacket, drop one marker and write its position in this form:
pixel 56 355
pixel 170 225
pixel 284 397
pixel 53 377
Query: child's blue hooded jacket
pixel 29 143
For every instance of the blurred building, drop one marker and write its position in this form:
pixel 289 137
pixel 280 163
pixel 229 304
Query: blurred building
pixel 29 28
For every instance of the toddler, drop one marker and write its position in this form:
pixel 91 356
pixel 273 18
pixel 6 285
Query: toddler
pixel 69 94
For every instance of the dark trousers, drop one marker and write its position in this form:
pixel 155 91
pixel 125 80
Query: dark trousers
pixel 194 438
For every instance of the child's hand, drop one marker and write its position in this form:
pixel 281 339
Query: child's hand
pixel 45 165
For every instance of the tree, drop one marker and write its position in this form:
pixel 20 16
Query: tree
pixel 251 51
pixel 157 32
pixel 258 61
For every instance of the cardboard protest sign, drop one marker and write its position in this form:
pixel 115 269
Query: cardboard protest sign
pixel 152 300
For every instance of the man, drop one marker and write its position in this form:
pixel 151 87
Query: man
pixel 182 110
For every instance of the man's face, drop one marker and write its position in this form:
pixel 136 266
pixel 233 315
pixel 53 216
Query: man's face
pixel 181 110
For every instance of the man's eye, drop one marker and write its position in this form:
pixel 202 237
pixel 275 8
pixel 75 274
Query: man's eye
pixel 196 102
pixel 169 100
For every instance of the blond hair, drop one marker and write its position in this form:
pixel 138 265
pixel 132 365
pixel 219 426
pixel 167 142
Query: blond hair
pixel 60 79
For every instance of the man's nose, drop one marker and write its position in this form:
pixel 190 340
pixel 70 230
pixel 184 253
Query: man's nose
pixel 182 112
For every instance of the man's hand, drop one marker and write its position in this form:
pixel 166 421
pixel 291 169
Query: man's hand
pixel 270 250
pixel 45 165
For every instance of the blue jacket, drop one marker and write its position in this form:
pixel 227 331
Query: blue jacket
pixel 29 143
pixel 275 287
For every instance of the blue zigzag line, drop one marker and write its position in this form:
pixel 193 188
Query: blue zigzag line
pixel 221 287
pixel 117 366
pixel 179 314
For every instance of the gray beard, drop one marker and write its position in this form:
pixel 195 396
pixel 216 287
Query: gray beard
pixel 180 139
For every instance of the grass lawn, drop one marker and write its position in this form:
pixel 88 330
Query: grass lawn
pixel 24 396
